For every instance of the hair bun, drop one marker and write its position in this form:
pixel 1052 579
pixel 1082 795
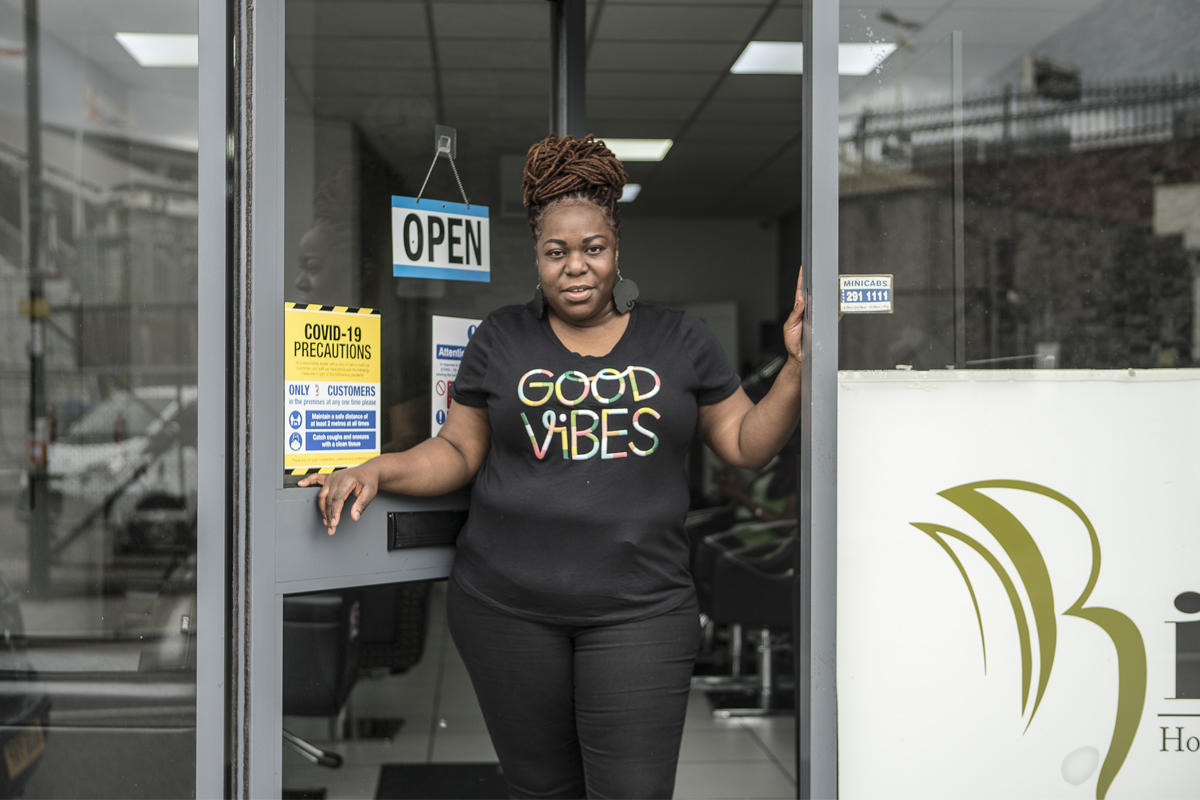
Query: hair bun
pixel 563 164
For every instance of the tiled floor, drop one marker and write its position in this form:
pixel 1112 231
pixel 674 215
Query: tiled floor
pixel 743 759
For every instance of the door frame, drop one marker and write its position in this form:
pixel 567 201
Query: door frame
pixel 214 478
pixel 244 513
pixel 816 558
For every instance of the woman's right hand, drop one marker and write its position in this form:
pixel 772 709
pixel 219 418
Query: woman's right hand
pixel 361 481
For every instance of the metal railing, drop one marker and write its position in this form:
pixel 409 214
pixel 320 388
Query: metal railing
pixel 1000 124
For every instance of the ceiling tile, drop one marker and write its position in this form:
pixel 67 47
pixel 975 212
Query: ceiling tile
pixel 676 85
pixel 766 136
pixel 493 20
pixel 752 111
pixel 500 54
pixel 479 110
pixel 664 56
pixel 785 88
pixel 360 18
pixel 659 109
pixel 360 52
pixel 373 81
pixel 785 24
pixel 677 23
pixel 516 83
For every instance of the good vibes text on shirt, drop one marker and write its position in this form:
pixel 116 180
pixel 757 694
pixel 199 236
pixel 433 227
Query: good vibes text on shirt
pixel 586 433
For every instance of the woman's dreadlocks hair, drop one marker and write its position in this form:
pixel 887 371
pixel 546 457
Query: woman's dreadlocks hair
pixel 564 169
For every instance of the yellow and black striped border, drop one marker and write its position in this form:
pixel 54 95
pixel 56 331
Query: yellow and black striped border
pixel 301 471
pixel 335 309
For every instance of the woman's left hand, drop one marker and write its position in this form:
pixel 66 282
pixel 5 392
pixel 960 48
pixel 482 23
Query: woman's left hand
pixel 795 322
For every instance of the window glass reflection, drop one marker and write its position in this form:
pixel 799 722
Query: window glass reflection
pixel 1064 194
pixel 98 308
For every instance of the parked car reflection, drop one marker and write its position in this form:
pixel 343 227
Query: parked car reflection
pixel 125 469
pixel 24 703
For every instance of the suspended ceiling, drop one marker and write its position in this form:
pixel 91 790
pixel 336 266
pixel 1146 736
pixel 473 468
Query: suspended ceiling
pixel 655 69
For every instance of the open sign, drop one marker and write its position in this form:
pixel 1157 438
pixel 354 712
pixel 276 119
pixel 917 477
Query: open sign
pixel 438 239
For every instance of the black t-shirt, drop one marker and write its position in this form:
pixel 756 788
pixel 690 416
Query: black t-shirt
pixel 577 513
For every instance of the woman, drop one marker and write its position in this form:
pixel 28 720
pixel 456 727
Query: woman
pixel 570 598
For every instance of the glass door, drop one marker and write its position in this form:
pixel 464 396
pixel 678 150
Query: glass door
pixel 340 641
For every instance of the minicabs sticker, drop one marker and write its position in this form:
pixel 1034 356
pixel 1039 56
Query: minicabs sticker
pixel 865 294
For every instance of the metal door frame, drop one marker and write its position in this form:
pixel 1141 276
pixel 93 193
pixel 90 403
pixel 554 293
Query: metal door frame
pixel 213 475
pixel 245 513
pixel 816 567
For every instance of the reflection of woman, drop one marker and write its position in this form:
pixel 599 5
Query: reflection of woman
pixel 342 257
pixel 337 268
pixel 570 598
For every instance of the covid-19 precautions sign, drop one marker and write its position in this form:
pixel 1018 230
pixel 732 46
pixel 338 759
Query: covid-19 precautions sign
pixel 331 387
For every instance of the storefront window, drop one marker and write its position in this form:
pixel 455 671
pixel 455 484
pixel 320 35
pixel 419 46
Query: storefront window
pixel 1031 196
pixel 98 274
pixel 1015 448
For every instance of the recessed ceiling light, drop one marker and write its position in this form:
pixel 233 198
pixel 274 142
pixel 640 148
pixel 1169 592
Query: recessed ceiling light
pixel 630 193
pixel 787 58
pixel 162 49
pixel 639 149
pixel 859 58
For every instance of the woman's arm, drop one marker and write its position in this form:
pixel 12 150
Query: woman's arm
pixel 748 435
pixel 436 466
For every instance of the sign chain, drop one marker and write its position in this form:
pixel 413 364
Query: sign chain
pixel 444 151
pixel 459 181
pixel 427 174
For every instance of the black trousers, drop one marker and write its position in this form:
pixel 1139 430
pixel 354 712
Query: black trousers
pixel 575 712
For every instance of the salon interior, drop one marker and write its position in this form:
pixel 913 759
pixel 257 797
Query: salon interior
pixel 710 223
pixel 104 399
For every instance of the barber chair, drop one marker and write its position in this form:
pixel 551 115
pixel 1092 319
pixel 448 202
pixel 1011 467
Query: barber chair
pixel 752 587
pixel 395 617
pixel 320 664
pixel 704 558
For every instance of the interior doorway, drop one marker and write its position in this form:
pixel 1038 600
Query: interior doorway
pixel 711 224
